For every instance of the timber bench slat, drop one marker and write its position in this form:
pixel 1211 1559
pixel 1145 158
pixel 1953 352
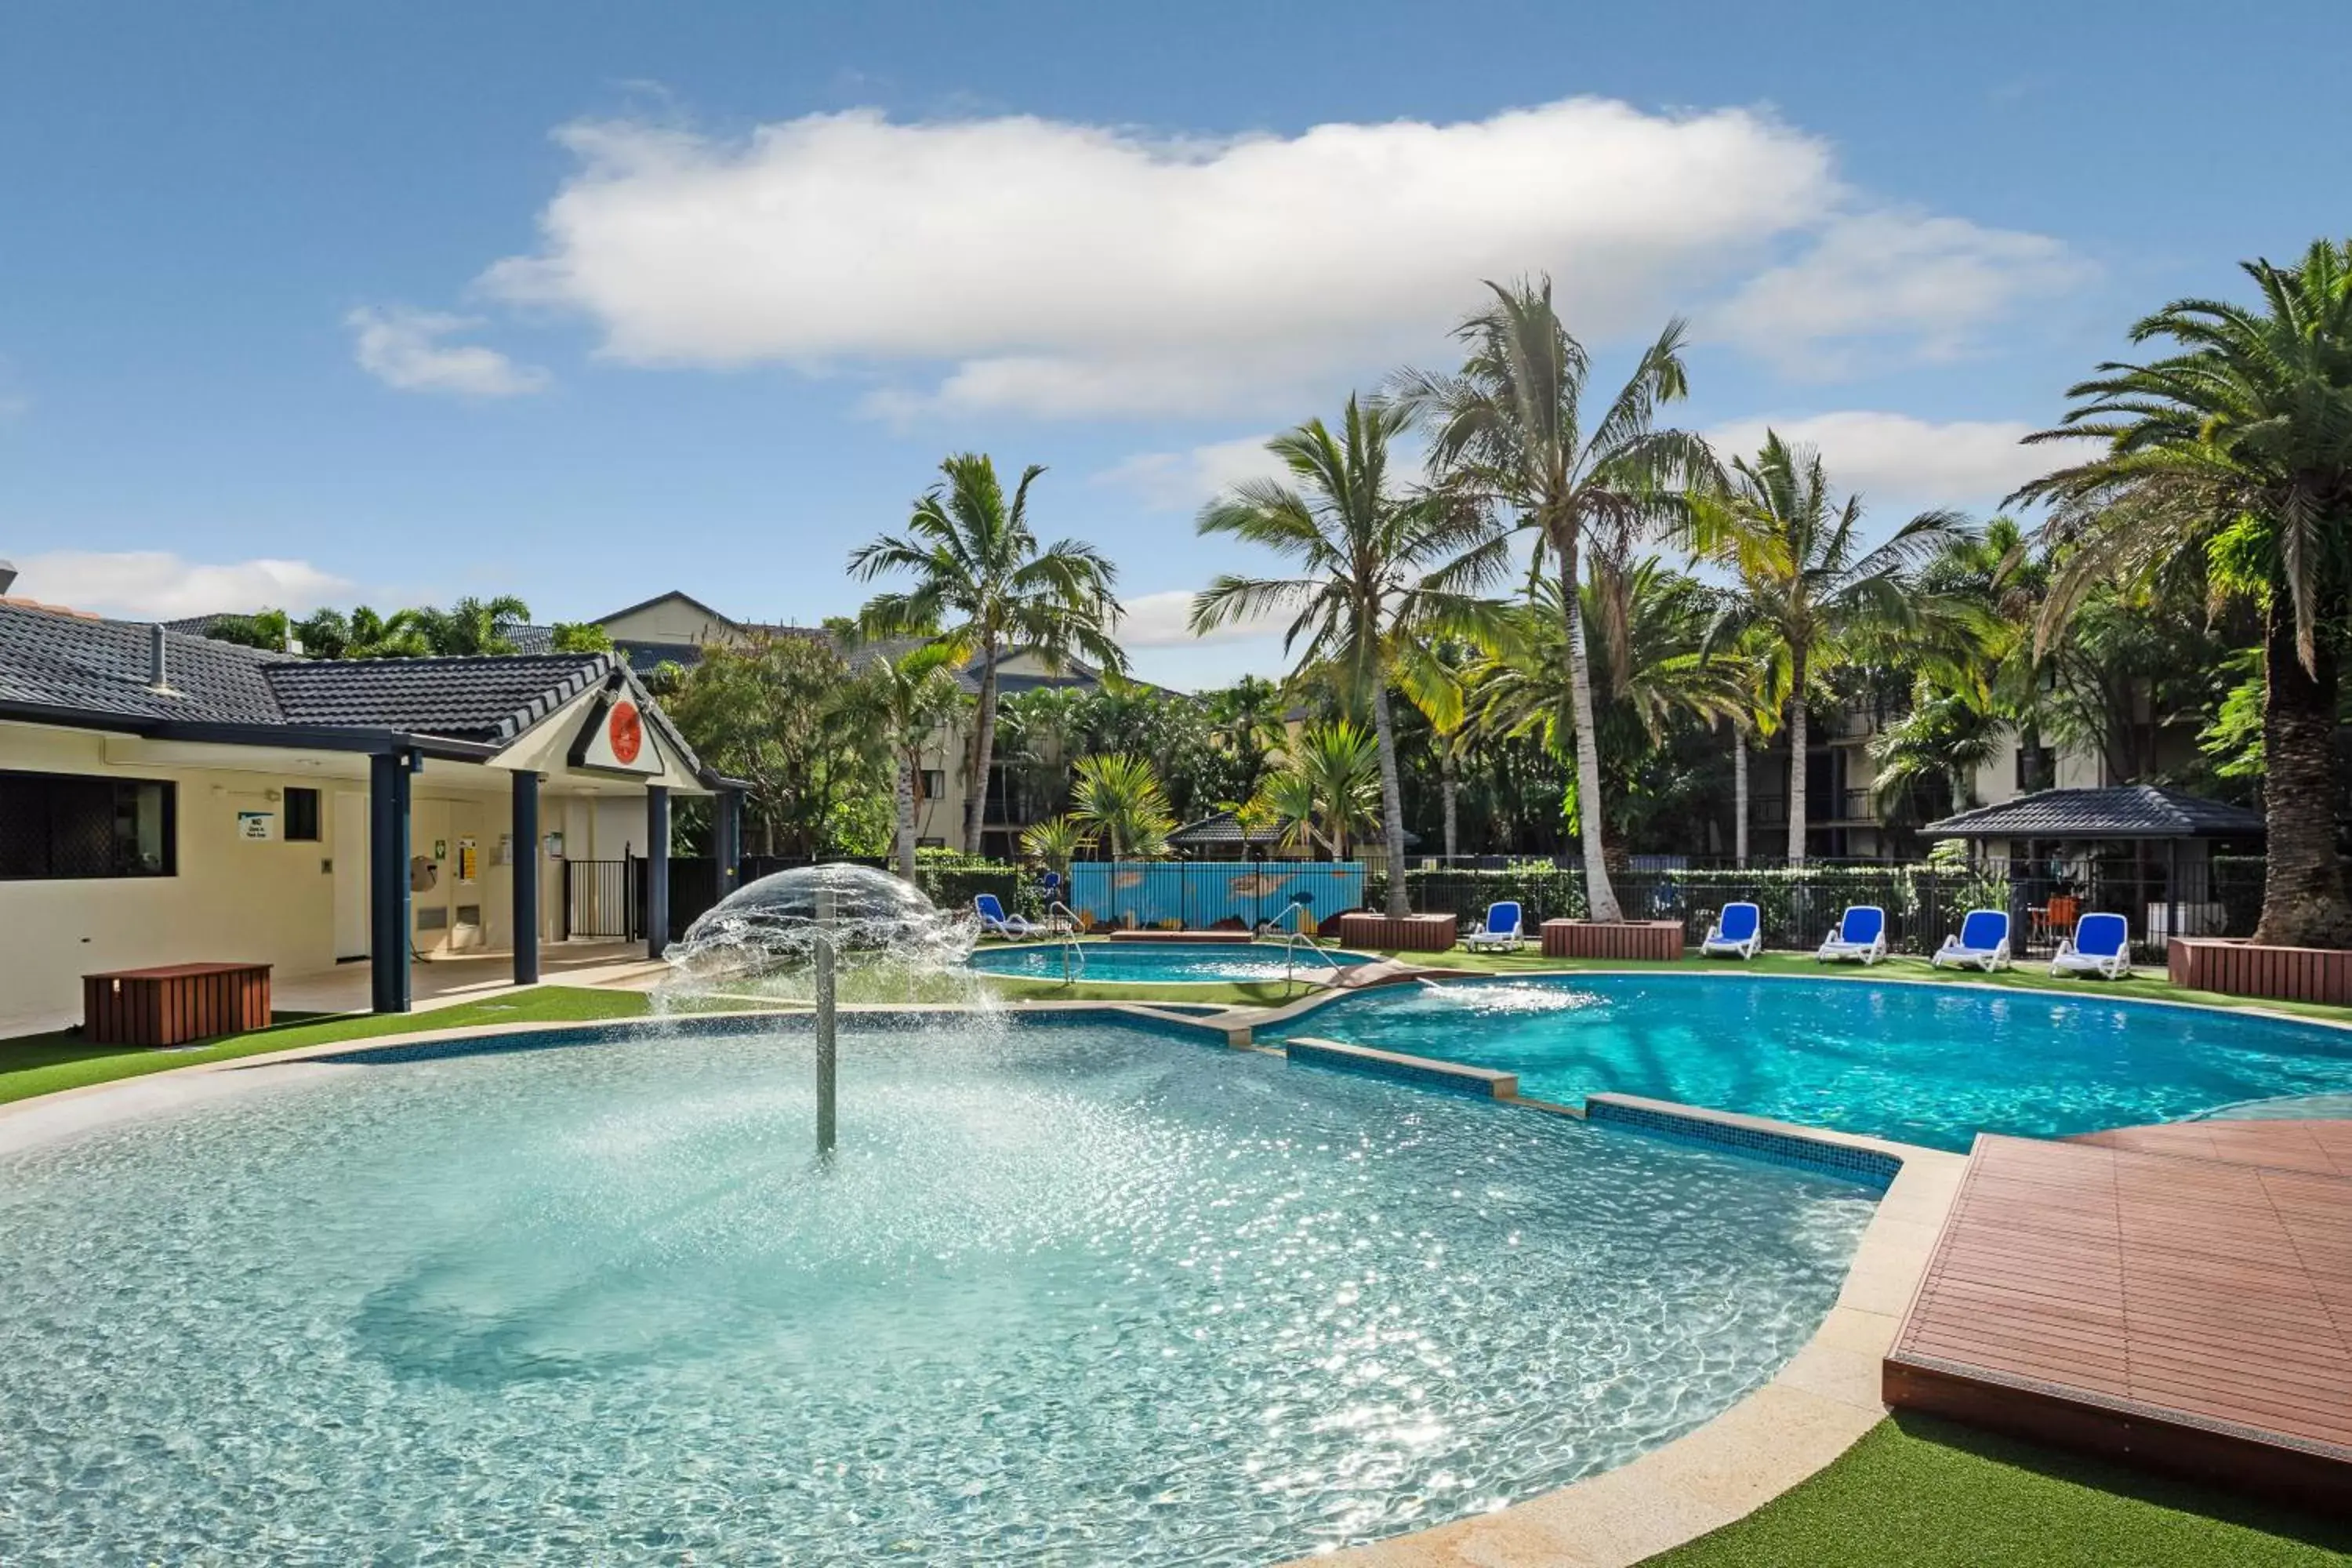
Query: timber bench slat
pixel 172 1003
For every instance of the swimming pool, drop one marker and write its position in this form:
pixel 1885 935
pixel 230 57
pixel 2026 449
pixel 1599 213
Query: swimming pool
pixel 1920 1063
pixel 1157 962
pixel 1070 1293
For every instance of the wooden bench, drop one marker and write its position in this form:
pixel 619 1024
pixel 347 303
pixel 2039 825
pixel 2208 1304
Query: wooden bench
pixel 174 1003
pixel 1647 940
pixel 1413 933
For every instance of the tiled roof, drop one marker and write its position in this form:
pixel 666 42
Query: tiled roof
pixel 493 698
pixel 1222 827
pixel 80 665
pixel 2118 811
pixel 56 658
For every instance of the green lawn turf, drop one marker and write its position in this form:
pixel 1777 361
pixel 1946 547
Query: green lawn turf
pixel 1917 1492
pixel 42 1064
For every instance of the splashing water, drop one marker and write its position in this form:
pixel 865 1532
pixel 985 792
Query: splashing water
pixel 890 944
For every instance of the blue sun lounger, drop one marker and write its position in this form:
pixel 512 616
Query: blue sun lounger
pixel 1738 932
pixel 994 920
pixel 2101 945
pixel 1983 942
pixel 1861 934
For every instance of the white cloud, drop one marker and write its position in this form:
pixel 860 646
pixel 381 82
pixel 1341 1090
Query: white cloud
pixel 1068 269
pixel 1965 463
pixel 1932 281
pixel 1164 620
pixel 1182 481
pixel 165 586
pixel 403 348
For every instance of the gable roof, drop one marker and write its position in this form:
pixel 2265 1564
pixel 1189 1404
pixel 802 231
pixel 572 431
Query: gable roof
pixel 59 667
pixel 673 597
pixel 2116 811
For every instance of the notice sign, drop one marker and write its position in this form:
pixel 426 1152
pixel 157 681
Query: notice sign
pixel 257 825
pixel 617 739
pixel 468 860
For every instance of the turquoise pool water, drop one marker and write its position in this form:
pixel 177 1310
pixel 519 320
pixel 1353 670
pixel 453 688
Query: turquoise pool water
pixel 1154 962
pixel 1075 1294
pixel 1924 1064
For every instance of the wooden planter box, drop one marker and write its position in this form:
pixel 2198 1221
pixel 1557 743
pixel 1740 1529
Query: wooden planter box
pixel 2242 969
pixel 1414 933
pixel 1623 939
pixel 174 1003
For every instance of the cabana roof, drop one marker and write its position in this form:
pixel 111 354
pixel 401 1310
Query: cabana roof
pixel 2116 811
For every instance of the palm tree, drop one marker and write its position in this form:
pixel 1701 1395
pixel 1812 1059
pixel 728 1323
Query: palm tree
pixel 1378 575
pixel 2238 450
pixel 1804 589
pixel 1508 429
pixel 472 625
pixel 915 694
pixel 1119 796
pixel 1053 844
pixel 1664 671
pixel 1327 789
pixel 983 585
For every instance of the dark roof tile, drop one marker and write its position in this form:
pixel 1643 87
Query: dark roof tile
pixel 2116 811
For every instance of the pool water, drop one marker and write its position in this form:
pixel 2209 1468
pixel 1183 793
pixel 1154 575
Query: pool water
pixel 1142 963
pixel 1071 1294
pixel 1922 1064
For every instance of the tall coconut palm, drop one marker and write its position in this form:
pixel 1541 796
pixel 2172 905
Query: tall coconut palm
pixel 1804 593
pixel 2238 449
pixel 982 585
pixel 1378 574
pixel 1118 797
pixel 916 693
pixel 1508 429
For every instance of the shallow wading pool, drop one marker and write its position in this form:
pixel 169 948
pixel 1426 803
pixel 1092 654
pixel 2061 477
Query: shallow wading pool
pixel 1155 962
pixel 1069 1291
pixel 1918 1063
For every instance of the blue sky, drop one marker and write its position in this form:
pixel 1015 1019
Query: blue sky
pixel 582 301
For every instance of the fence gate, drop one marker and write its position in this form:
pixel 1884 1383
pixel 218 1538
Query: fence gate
pixel 600 900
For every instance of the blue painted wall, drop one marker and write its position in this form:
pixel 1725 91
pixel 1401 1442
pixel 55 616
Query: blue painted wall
pixel 1198 894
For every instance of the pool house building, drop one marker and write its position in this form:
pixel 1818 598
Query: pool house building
pixel 166 800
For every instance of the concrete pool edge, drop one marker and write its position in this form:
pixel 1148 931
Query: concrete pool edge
pixel 1808 1413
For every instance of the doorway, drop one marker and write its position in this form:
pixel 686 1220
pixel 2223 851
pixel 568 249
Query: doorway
pixel 350 851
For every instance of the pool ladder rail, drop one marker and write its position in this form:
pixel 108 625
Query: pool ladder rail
pixel 1061 927
pixel 1292 941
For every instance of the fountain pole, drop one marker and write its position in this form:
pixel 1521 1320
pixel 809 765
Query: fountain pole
pixel 826 1060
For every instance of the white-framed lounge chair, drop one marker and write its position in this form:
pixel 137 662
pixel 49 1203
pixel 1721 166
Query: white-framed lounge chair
pixel 1982 942
pixel 2101 945
pixel 994 922
pixel 1861 934
pixel 1737 931
pixel 1503 932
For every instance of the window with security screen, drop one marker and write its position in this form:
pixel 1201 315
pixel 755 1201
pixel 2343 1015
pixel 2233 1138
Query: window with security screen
pixel 55 827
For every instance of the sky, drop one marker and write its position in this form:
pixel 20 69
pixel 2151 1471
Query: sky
pixel 583 302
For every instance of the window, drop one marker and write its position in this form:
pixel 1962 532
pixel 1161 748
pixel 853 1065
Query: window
pixel 59 826
pixel 930 783
pixel 302 814
pixel 2037 768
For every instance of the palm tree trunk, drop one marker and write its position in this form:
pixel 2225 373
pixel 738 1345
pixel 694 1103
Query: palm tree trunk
pixel 983 753
pixel 907 816
pixel 2302 884
pixel 1601 898
pixel 1449 780
pixel 1392 798
pixel 1797 720
pixel 1738 796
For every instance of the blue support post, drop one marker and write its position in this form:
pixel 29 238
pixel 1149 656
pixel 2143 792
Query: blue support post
pixel 388 900
pixel 657 868
pixel 525 828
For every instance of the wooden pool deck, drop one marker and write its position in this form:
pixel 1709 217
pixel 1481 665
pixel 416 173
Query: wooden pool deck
pixel 2179 1297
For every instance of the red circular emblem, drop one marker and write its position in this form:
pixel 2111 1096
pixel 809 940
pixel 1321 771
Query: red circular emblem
pixel 626 732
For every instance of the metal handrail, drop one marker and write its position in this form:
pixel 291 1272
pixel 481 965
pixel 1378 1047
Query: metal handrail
pixel 1069 940
pixel 1291 942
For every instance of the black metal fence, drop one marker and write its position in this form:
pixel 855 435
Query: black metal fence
pixel 602 899
pixel 1923 901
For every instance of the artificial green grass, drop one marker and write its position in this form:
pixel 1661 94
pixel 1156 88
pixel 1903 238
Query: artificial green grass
pixel 1918 1492
pixel 44 1064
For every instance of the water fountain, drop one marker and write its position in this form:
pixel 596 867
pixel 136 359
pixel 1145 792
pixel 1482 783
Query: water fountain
pixel 818 922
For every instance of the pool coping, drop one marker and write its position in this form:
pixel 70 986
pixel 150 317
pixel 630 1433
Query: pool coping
pixel 1318 986
pixel 1814 1407
pixel 1436 974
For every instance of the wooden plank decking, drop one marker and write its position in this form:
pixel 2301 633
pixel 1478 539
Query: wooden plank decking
pixel 2190 1309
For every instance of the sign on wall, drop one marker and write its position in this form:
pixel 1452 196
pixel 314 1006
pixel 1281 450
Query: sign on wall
pixel 619 738
pixel 258 826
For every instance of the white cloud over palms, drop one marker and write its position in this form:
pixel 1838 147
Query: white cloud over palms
pixel 166 586
pixel 1894 458
pixel 407 348
pixel 1077 271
